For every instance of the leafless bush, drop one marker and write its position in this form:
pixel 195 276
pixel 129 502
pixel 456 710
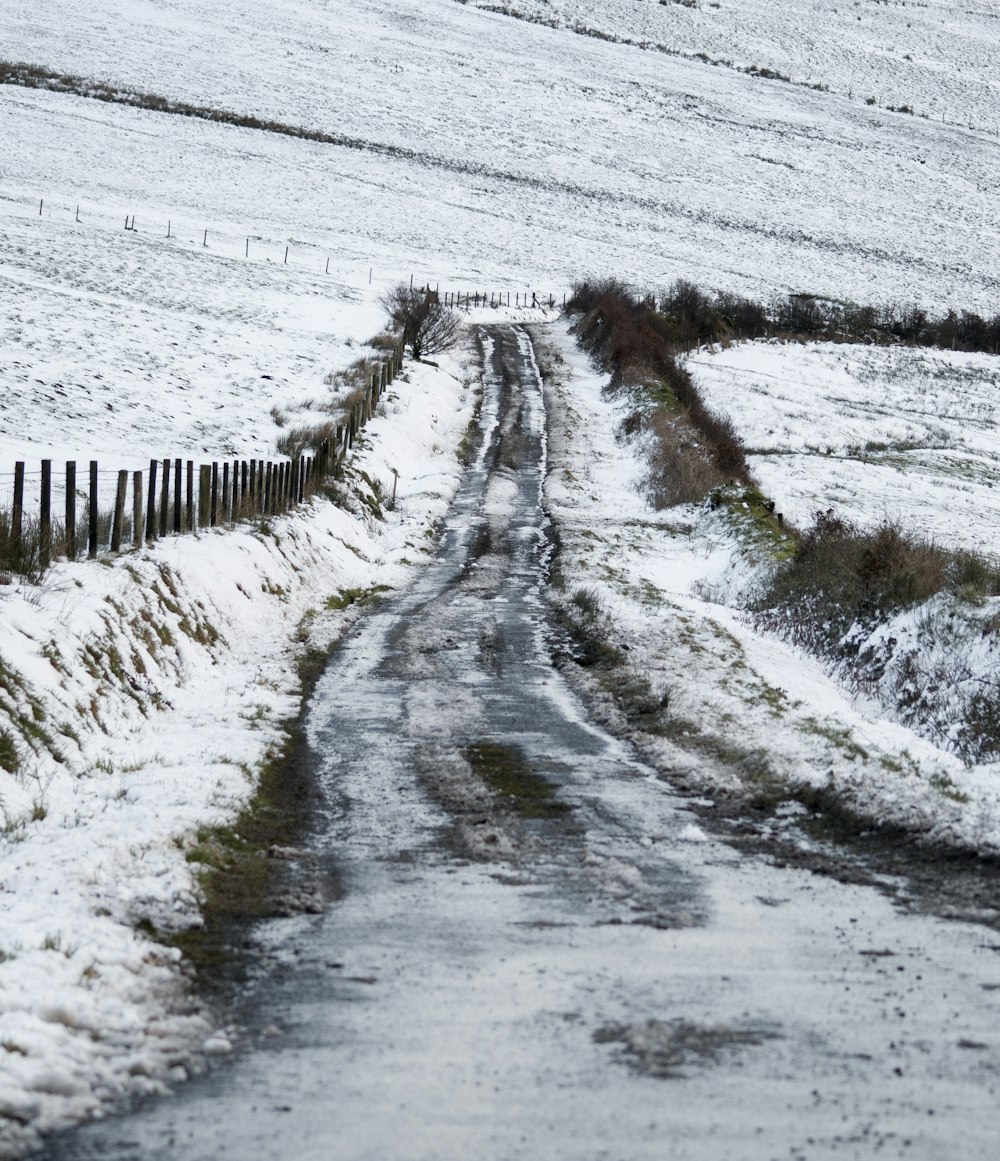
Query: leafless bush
pixel 307 437
pixel 637 343
pixel 842 576
pixel 426 326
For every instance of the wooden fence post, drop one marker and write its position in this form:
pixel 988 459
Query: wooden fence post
pixel 70 510
pixel 215 494
pixel 151 502
pixel 250 498
pixel 188 514
pixel 119 521
pixel 267 489
pixel 17 513
pixel 204 495
pixel 226 495
pixel 137 509
pixel 165 498
pixel 45 517
pixel 178 493
pixel 92 514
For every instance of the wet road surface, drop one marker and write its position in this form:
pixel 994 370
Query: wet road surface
pixel 535 951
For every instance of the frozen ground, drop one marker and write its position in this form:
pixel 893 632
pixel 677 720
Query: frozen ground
pixel 534 155
pixel 536 950
pixel 155 688
pixel 486 152
pixel 937 59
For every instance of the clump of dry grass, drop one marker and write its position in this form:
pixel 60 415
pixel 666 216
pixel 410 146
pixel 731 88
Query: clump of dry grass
pixel 681 469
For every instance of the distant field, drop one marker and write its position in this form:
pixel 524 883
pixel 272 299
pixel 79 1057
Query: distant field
pixel 536 157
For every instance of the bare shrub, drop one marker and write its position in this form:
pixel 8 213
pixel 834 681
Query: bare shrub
pixel 427 327
pixel 307 437
pixel 19 555
pixel 841 577
pixel 356 377
pixel 627 334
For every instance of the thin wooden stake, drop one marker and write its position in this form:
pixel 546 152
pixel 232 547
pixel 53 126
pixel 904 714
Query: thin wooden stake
pixel 189 500
pixel 226 494
pixel 92 513
pixel 17 513
pixel 151 502
pixel 165 498
pixel 137 509
pixel 119 521
pixel 178 493
pixel 204 240
pixel 215 494
pixel 204 495
pixel 71 509
pixel 45 517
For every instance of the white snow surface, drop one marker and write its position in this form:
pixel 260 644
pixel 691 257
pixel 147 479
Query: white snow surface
pixel 896 434
pixel 531 156
pixel 535 156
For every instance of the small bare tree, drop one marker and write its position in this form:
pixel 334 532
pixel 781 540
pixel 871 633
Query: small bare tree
pixel 427 326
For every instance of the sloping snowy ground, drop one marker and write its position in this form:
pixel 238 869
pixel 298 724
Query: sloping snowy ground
pixel 155 687
pixel 533 154
pixel 743 710
pixel 875 433
pixel 937 58
pixel 535 157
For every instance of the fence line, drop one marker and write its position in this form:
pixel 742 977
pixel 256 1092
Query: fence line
pixel 496 299
pixel 118 510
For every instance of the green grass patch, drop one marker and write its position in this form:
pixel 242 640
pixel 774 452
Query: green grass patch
pixel 504 769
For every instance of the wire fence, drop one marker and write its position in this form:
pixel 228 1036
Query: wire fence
pixel 83 510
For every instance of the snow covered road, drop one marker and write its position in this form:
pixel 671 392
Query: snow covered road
pixel 536 950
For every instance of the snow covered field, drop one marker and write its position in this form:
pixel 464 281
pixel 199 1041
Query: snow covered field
pixel 876 433
pixel 488 152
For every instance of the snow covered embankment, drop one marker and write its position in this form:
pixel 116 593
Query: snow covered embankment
pixel 722 709
pixel 138 699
